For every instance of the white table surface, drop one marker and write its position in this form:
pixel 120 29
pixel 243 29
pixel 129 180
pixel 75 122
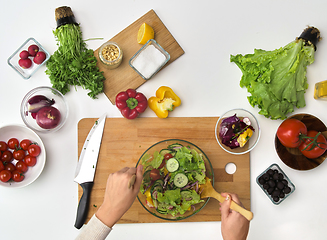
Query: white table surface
pixel 205 80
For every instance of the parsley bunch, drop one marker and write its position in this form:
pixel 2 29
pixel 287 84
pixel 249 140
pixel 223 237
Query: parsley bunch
pixel 73 64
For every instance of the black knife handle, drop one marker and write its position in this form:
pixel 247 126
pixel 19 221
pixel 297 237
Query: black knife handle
pixel 83 206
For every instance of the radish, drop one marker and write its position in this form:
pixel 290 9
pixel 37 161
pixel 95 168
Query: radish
pixel 25 63
pixel 33 49
pixel 24 54
pixel 48 117
pixel 39 57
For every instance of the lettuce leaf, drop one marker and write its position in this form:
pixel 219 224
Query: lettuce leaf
pixel 276 79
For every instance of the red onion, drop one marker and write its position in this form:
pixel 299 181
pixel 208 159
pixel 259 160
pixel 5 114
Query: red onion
pixel 39 101
pixel 48 117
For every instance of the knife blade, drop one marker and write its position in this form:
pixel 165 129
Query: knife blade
pixel 86 167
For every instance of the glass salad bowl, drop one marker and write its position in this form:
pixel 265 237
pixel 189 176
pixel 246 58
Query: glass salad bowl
pixel 154 207
pixel 250 119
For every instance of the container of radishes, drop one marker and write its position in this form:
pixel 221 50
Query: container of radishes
pixel 28 58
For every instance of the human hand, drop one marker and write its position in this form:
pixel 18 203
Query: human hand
pixel 234 226
pixel 118 196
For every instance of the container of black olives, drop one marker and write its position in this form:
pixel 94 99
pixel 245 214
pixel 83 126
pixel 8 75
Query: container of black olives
pixel 276 185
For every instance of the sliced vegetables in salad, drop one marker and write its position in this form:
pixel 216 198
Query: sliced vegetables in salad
pixel 235 132
pixel 172 179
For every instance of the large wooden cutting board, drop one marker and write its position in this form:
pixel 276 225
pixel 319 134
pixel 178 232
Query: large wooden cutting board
pixel 124 77
pixel 125 140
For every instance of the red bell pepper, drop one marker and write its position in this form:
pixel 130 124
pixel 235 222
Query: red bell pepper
pixel 131 103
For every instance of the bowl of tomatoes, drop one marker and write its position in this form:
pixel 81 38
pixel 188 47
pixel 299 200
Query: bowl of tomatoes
pixel 300 141
pixel 22 156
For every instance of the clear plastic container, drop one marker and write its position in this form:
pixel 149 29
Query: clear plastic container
pixel 14 58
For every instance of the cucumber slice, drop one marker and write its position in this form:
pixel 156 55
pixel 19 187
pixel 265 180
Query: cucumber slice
pixel 163 152
pixel 172 146
pixel 172 165
pixel 180 180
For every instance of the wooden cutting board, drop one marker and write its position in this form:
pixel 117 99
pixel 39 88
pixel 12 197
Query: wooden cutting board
pixel 124 77
pixel 125 140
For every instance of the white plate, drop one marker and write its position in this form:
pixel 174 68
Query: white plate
pixel 22 132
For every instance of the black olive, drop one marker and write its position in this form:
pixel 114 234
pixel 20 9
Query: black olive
pixel 282 195
pixel 265 176
pixel 275 171
pixel 275 176
pixel 280 176
pixel 270 172
pixel 275 193
pixel 287 190
pixel 271 183
pixel 285 182
pixel 270 190
pixel 266 186
pixel 261 180
pixel 280 185
pixel 276 199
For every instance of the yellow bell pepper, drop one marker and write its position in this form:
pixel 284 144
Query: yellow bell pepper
pixel 164 102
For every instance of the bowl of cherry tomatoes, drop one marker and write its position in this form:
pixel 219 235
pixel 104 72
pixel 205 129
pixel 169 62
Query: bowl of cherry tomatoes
pixel 300 141
pixel 22 156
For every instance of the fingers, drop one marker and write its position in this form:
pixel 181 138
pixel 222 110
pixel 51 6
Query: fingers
pixel 225 206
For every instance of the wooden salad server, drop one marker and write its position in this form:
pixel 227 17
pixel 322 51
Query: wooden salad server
pixel 209 191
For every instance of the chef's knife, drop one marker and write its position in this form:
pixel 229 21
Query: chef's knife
pixel 86 166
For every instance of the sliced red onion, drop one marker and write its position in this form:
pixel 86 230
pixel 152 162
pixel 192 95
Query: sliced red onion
pixel 39 101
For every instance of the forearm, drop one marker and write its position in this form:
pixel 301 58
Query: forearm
pixel 95 230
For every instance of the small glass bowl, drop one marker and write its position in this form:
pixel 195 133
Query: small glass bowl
pixel 276 168
pixel 110 55
pixel 209 173
pixel 254 138
pixel 14 58
pixel 22 132
pixel 50 93
pixel 149 59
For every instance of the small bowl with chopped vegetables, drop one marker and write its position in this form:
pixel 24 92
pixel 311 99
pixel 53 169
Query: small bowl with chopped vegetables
pixel 174 171
pixel 44 109
pixel 237 131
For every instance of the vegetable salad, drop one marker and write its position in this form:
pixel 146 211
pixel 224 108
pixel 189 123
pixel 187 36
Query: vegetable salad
pixel 172 179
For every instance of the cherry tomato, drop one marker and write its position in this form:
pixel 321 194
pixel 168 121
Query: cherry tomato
pixel 155 174
pixel 17 176
pixel 315 149
pixel 19 154
pixel 2 167
pixel 168 156
pixel 289 131
pixel 13 143
pixel 3 146
pixel 6 156
pixel 5 175
pixel 30 161
pixel 24 144
pixel 10 167
pixel 21 166
pixel 34 150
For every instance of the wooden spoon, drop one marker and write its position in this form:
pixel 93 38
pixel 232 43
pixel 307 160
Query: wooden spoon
pixel 209 191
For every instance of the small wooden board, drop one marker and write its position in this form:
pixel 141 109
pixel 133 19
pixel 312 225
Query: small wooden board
pixel 124 77
pixel 124 141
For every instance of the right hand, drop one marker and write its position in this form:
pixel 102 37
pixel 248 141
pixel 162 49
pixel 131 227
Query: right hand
pixel 234 226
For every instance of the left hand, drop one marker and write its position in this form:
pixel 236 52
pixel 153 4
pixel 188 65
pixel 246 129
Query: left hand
pixel 118 196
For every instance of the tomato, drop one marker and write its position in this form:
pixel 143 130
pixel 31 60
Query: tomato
pixel 316 145
pixel 34 150
pixel 5 175
pixel 155 174
pixel 21 166
pixel 289 132
pixel 3 146
pixel 13 143
pixel 10 167
pixel 30 161
pixel 2 167
pixel 19 154
pixel 168 156
pixel 24 144
pixel 17 176
pixel 6 156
